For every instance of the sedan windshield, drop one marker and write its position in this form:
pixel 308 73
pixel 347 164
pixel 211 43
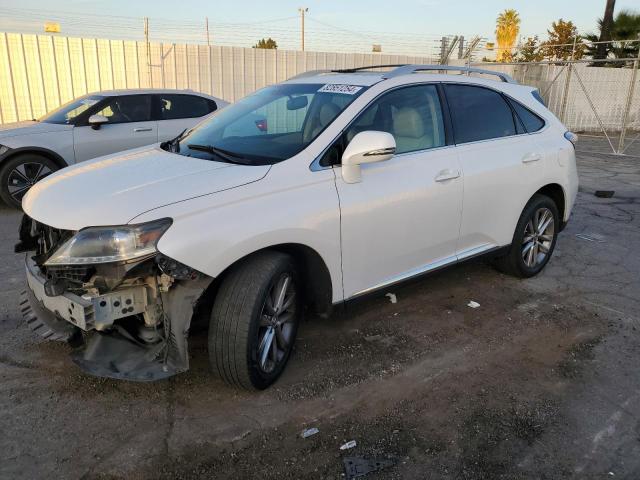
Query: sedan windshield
pixel 68 112
pixel 269 126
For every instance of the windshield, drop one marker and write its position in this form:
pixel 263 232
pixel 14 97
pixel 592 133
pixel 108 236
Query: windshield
pixel 69 111
pixel 269 126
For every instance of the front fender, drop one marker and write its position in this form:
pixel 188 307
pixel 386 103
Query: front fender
pixel 211 233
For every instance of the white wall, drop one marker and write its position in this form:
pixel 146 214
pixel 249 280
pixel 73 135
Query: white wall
pixel 40 72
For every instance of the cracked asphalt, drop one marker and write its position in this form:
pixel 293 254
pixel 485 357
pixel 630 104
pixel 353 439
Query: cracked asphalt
pixel 540 382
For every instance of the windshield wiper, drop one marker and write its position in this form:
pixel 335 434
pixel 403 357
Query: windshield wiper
pixel 173 145
pixel 225 155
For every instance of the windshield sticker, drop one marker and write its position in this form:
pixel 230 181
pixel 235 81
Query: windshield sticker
pixel 345 89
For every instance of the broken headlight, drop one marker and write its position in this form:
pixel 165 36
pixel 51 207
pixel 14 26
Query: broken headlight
pixel 110 244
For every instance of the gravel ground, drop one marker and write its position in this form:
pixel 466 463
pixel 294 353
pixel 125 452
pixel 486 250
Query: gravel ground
pixel 538 382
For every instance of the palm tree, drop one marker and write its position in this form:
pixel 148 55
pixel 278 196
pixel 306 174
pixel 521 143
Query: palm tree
pixel 625 26
pixel 606 24
pixel 507 28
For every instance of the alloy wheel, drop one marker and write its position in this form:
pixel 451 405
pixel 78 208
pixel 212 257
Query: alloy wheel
pixel 277 324
pixel 23 177
pixel 538 237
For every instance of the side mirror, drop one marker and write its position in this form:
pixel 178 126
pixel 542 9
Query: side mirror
pixel 366 147
pixel 97 120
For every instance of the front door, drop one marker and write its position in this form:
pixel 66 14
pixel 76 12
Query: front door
pixel 403 218
pixel 129 126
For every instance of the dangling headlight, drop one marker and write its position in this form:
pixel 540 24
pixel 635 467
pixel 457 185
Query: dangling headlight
pixel 110 244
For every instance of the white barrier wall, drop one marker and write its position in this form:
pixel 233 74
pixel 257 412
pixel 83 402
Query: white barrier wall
pixel 40 72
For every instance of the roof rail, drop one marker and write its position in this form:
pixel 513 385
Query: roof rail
pixel 359 69
pixel 407 69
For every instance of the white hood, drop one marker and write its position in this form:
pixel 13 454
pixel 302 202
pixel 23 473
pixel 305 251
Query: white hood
pixel 30 127
pixel 114 189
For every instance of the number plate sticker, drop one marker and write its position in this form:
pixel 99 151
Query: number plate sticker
pixel 335 88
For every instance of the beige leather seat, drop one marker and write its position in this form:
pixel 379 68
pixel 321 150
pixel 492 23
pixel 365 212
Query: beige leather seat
pixel 409 130
pixel 325 116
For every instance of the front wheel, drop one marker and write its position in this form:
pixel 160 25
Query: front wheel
pixel 534 239
pixel 20 173
pixel 254 321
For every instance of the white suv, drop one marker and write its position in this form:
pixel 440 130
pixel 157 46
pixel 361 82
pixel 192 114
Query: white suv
pixel 362 179
pixel 92 126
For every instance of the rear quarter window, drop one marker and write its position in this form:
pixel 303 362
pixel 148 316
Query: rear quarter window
pixel 531 121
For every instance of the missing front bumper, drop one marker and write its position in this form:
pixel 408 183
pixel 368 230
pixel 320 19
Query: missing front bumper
pixel 110 350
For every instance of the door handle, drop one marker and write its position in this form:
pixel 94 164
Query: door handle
pixel 142 129
pixel 445 175
pixel 531 157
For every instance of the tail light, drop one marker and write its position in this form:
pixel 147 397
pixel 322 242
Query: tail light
pixel 572 137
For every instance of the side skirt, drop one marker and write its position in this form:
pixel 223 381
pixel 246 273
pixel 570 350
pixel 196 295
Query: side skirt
pixel 424 272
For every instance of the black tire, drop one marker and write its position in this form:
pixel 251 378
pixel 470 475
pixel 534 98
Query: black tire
pixel 22 171
pixel 237 325
pixel 514 262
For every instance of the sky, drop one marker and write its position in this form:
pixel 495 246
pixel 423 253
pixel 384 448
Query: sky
pixel 348 19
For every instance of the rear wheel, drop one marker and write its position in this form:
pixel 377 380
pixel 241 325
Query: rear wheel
pixel 534 239
pixel 254 321
pixel 20 173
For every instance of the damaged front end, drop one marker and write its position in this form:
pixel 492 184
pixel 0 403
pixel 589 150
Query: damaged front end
pixel 129 305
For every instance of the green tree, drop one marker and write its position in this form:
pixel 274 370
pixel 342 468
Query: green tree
pixel 507 28
pixel 560 43
pixel 268 43
pixel 530 51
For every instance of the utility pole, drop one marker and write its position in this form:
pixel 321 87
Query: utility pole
pixel 302 11
pixel 206 26
pixel 148 48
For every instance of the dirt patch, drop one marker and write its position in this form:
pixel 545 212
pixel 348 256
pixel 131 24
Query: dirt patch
pixel 577 357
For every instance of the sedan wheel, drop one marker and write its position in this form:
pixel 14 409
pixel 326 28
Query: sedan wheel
pixel 23 177
pixel 20 173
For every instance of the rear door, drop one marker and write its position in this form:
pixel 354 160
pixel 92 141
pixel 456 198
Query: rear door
pixel 129 126
pixel 500 163
pixel 176 111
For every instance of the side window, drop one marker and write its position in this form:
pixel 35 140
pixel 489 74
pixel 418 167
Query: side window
pixel 127 108
pixel 411 114
pixel 531 121
pixel 479 113
pixel 174 106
